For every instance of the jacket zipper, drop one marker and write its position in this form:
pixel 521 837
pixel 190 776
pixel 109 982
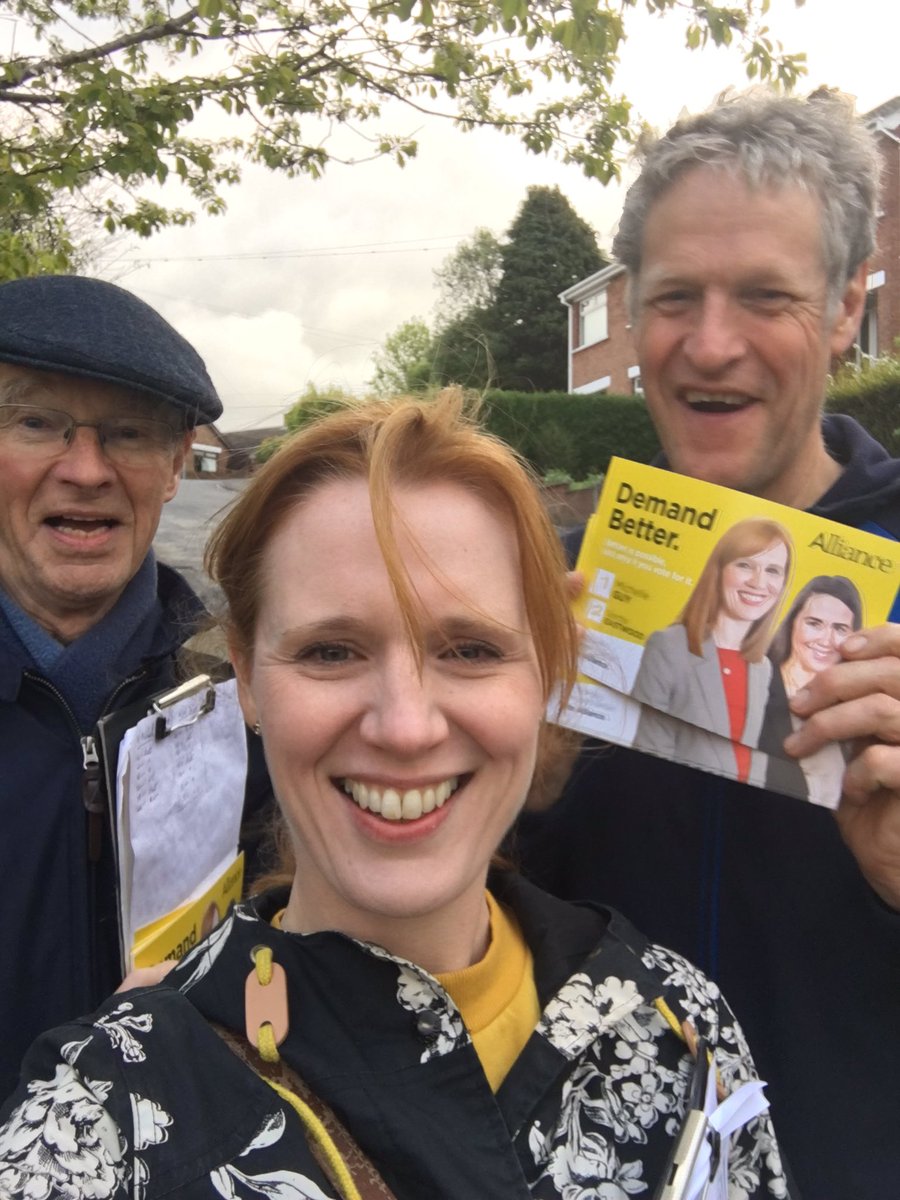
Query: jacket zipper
pixel 90 759
pixel 92 797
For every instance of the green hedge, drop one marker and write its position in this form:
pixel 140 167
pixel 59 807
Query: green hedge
pixel 579 434
pixel 553 430
pixel 575 434
pixel 872 396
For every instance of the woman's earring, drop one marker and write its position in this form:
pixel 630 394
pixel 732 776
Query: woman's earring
pixel 256 729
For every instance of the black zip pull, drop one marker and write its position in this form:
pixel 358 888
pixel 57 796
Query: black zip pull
pixel 91 797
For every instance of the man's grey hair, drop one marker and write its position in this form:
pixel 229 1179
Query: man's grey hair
pixel 771 141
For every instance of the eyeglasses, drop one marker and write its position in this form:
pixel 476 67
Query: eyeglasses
pixel 48 433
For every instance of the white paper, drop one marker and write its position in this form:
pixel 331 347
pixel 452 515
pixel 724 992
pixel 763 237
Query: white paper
pixel 179 803
pixel 735 1111
pixel 599 712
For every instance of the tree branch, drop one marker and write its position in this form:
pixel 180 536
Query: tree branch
pixel 152 33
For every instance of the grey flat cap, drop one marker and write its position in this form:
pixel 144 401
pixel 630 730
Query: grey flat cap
pixel 94 329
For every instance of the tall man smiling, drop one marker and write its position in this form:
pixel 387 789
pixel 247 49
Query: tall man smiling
pixel 98 398
pixel 745 237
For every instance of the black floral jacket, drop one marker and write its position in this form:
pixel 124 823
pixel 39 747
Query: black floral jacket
pixel 144 1099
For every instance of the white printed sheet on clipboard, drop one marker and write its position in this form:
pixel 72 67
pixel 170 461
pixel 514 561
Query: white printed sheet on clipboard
pixel 180 784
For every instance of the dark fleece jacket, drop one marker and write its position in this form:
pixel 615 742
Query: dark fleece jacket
pixel 760 890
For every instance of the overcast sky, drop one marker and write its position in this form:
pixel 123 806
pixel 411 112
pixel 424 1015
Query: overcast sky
pixel 301 280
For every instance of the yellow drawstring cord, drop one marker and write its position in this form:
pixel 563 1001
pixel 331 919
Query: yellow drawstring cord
pixel 320 1135
pixel 268 1052
pixel 669 1017
pixel 265 1038
pixel 688 1034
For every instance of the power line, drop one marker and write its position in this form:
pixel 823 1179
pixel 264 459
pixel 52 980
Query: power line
pixel 407 246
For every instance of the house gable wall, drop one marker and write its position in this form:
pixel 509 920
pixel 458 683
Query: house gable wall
pixel 887 255
pixel 607 360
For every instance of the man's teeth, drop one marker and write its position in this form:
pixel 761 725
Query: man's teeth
pixel 81 525
pixel 401 806
pixel 716 402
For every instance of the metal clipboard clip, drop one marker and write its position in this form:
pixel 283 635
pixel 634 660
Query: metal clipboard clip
pixel 695 1129
pixel 198 684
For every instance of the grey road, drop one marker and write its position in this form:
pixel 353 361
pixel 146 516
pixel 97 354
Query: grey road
pixel 187 522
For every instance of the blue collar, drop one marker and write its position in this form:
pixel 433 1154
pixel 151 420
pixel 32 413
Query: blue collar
pixel 88 669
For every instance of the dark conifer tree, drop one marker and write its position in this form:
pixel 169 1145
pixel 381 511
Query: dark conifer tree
pixel 548 248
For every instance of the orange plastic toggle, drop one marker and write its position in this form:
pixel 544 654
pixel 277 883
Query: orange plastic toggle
pixel 266 1004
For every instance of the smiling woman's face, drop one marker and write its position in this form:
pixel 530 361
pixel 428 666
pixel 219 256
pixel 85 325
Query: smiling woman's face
pixel 397 784
pixel 753 584
pixel 820 628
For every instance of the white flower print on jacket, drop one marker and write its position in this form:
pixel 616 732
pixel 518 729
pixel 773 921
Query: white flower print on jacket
pixel 230 1182
pixel 62 1142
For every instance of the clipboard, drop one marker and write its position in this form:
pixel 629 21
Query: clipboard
pixel 679 1170
pixel 113 727
pixel 175 769
pixel 697 1166
pixel 110 731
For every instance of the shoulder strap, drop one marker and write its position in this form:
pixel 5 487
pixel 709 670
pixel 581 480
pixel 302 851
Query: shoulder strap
pixel 368 1183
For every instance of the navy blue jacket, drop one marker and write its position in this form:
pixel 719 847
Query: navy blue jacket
pixel 761 892
pixel 59 952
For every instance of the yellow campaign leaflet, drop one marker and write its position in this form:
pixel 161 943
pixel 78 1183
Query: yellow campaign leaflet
pixel 704 611
pixel 173 935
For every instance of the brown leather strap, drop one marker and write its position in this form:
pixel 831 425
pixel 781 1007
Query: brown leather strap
pixel 362 1170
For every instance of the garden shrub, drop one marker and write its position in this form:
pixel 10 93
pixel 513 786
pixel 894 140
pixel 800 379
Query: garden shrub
pixel 871 394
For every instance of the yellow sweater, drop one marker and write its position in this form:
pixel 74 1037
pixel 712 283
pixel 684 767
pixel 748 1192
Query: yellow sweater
pixel 497 996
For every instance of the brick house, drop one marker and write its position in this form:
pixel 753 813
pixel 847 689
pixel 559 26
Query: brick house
pixel 243 444
pixel 881 324
pixel 208 455
pixel 602 354
pixel 217 455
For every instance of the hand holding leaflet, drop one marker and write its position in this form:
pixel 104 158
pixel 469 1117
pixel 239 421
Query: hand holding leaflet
pixel 705 611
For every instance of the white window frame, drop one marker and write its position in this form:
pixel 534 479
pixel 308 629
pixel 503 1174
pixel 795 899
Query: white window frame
pixel 596 385
pixel 206 458
pixel 593 311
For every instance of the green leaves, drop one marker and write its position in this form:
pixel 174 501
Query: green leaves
pixel 403 364
pixel 548 247
pixel 500 322
pixel 109 91
pixel 35 252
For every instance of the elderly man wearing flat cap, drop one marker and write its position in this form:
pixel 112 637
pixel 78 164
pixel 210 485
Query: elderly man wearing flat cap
pixel 98 399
